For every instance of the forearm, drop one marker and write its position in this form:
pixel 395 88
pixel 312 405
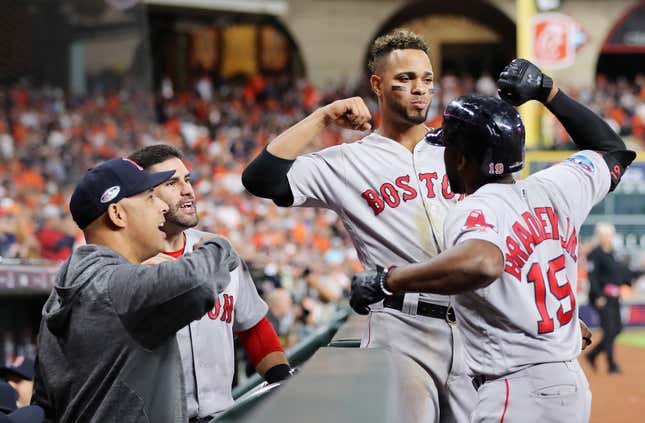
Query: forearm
pixel 471 265
pixel 433 278
pixel 271 360
pixel 292 142
pixel 266 175
pixel 587 130
pixel 264 351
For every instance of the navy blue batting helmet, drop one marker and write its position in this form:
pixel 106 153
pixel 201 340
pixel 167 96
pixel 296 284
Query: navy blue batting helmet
pixel 486 129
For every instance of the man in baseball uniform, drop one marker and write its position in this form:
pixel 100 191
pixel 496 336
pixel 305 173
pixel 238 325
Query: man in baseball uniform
pixel 513 249
pixel 392 193
pixel 206 345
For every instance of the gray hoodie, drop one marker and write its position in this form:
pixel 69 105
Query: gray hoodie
pixel 107 350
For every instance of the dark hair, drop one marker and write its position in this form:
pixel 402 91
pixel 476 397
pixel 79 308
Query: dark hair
pixel 151 155
pixel 399 39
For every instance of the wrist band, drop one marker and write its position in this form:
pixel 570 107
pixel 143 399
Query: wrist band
pixel 545 87
pixel 382 281
pixel 277 373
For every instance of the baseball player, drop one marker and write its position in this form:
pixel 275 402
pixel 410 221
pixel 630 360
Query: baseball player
pixel 513 249
pixel 206 345
pixel 391 191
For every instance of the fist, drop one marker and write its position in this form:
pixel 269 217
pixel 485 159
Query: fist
pixel 522 81
pixel 350 113
pixel 366 290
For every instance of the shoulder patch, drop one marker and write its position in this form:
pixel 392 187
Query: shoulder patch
pixel 476 219
pixel 583 162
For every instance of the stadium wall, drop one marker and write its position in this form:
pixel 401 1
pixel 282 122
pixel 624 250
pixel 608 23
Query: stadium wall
pixel 334 35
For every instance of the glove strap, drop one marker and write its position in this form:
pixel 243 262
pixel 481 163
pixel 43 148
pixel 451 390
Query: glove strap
pixel 545 87
pixel 382 281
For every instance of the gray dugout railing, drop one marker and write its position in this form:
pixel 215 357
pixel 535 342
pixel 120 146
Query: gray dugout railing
pixel 339 383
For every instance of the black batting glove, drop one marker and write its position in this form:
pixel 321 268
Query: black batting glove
pixel 522 81
pixel 368 288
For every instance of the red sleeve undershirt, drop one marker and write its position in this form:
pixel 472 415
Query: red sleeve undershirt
pixel 259 341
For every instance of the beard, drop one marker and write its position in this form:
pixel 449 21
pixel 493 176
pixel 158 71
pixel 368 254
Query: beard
pixel 416 118
pixel 175 218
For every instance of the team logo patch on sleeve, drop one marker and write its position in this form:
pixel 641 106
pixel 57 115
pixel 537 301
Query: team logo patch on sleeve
pixel 583 162
pixel 476 219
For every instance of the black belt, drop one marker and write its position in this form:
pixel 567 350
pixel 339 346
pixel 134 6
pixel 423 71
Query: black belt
pixel 424 309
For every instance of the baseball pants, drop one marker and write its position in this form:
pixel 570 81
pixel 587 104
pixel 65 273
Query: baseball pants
pixel 548 392
pixel 435 346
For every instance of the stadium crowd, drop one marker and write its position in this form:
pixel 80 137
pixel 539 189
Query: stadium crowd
pixel 301 258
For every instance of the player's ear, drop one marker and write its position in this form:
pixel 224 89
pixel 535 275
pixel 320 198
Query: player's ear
pixel 116 215
pixel 375 83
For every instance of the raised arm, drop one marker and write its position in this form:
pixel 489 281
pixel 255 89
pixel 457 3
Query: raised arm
pixel 266 175
pixel 522 81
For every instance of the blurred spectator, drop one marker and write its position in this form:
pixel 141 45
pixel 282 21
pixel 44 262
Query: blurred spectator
pixel 11 413
pixel 486 85
pixel 20 375
pixel 55 236
pixel 606 274
pixel 9 246
pixel 281 313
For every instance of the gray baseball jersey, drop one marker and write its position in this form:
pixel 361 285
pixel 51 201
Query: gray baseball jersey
pixel 206 345
pixel 392 203
pixel 530 314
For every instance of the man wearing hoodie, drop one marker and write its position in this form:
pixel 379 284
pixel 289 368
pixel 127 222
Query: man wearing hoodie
pixel 106 348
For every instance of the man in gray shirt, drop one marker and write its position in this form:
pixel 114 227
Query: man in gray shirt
pixel 106 348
